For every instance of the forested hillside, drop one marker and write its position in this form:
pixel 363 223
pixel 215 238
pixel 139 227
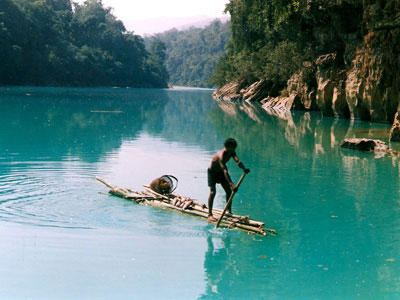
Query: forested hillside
pixel 58 42
pixel 337 56
pixel 271 39
pixel 191 55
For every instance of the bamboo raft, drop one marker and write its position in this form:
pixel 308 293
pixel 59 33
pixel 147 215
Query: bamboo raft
pixel 187 206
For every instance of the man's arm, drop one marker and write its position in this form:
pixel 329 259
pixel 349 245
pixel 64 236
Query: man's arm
pixel 240 164
pixel 226 173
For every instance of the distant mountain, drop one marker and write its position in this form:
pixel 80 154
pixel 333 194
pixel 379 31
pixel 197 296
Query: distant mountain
pixel 192 54
pixel 157 25
pixel 201 22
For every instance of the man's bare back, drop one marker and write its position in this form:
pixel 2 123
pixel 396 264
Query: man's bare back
pixel 219 160
pixel 218 173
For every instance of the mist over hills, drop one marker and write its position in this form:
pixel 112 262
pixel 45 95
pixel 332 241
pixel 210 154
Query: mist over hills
pixel 148 27
pixel 192 54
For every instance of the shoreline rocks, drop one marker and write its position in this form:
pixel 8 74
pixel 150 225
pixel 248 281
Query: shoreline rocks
pixel 365 145
pixel 280 106
pixel 228 92
pixel 358 80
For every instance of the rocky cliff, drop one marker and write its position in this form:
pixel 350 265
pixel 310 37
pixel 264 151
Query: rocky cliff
pixel 359 80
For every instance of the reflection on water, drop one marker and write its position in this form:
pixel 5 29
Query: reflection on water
pixel 74 122
pixel 219 265
pixel 325 201
pixel 336 210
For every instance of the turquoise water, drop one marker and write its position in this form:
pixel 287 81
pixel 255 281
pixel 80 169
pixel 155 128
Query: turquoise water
pixel 63 237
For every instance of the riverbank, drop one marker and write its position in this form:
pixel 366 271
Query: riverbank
pixel 298 96
pixel 351 70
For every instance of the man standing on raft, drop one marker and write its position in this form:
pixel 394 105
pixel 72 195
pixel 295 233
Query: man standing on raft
pixel 218 173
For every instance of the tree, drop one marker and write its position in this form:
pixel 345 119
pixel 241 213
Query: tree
pixel 57 42
pixel 271 39
pixel 191 55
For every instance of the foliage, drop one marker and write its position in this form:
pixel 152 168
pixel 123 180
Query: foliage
pixel 156 60
pixel 58 42
pixel 271 39
pixel 191 55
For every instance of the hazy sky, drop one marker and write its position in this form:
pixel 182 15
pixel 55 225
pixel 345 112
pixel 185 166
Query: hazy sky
pixel 141 15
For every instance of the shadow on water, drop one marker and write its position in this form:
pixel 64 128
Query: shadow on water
pixel 82 123
pixel 186 119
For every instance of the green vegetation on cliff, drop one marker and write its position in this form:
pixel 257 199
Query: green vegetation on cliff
pixel 58 42
pixel 272 39
pixel 192 54
pixel 338 56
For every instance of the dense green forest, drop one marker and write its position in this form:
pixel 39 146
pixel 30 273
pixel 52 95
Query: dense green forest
pixel 192 54
pixel 272 39
pixel 62 43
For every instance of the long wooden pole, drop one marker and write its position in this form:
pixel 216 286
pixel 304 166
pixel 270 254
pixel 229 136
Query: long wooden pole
pixel 230 199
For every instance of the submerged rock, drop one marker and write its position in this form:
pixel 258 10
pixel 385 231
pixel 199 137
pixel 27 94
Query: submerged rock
pixel 365 145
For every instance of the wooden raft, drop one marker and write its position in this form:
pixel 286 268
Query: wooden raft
pixel 187 206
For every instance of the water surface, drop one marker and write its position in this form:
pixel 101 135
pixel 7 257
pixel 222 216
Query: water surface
pixel 63 237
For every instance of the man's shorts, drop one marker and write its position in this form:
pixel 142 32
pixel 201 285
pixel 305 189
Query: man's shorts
pixel 215 177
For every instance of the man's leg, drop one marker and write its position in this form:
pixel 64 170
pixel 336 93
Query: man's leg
pixel 211 202
pixel 228 192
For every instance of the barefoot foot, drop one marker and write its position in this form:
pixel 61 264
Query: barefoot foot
pixel 211 219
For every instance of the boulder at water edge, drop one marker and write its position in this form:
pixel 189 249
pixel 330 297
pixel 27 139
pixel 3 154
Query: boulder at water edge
pixel 365 145
pixel 395 131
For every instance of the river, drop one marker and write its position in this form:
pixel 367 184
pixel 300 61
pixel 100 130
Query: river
pixel 62 236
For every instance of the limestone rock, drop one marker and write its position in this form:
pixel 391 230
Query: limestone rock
pixel 395 130
pixel 331 94
pixel 373 78
pixel 297 85
pixel 365 145
pixel 280 106
pixel 230 91
pixel 257 91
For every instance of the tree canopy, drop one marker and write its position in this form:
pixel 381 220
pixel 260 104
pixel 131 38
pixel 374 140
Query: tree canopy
pixel 192 54
pixel 271 39
pixel 58 42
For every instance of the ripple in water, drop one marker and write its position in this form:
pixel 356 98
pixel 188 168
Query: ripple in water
pixel 42 195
